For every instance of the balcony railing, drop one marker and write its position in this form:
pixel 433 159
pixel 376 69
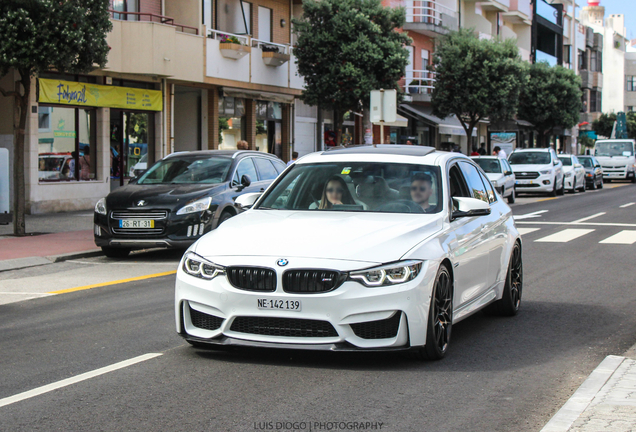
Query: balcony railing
pixel 223 36
pixel 270 46
pixel 430 12
pixel 149 17
pixel 421 82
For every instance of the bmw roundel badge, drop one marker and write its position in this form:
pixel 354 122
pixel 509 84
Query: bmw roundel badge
pixel 282 262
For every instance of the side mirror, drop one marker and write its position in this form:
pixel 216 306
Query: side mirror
pixel 469 207
pixel 508 173
pixel 556 162
pixel 247 200
pixel 578 166
pixel 246 180
pixel 597 166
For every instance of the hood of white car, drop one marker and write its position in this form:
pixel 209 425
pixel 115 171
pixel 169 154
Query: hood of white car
pixel 568 168
pixel 369 237
pixel 530 168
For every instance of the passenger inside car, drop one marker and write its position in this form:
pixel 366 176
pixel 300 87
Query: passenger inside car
pixel 335 192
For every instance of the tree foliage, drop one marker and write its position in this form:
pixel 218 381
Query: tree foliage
pixel 605 123
pixel 476 78
pixel 40 35
pixel 550 98
pixel 345 49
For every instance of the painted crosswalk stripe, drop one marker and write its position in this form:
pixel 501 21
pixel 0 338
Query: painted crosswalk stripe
pixel 627 205
pixel 524 231
pixel 623 237
pixel 565 236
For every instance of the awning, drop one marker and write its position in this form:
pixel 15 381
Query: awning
pixel 399 122
pixel 447 126
pixel 258 95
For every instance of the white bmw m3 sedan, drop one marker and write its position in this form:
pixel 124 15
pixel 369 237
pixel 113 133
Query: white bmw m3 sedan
pixel 357 248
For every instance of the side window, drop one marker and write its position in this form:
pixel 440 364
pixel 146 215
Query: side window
pixel 475 185
pixel 266 170
pixel 280 166
pixel 246 166
pixel 458 187
pixel 492 196
pixel 507 167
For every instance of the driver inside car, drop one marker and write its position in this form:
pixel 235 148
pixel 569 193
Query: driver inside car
pixel 421 190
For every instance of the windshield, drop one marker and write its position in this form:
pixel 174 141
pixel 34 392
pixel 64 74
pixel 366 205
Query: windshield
pixel 529 158
pixel 614 148
pixel 566 161
pixel 358 187
pixel 489 165
pixel 187 170
pixel 586 162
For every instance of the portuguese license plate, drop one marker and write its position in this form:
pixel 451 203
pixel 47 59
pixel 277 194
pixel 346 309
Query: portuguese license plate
pixel 288 305
pixel 136 223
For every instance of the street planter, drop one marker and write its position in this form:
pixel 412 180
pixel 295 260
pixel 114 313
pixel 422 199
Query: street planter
pixel 275 59
pixel 233 50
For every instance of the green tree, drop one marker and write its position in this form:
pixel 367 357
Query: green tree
pixel 604 125
pixel 476 78
pixel 550 98
pixel 37 36
pixel 345 49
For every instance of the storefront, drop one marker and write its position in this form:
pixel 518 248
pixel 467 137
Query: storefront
pixel 86 134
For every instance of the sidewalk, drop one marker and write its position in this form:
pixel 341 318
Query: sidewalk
pixel 54 237
pixel 606 401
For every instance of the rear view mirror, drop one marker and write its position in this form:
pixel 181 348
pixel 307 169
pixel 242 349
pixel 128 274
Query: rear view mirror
pixel 469 207
pixel 247 200
pixel 246 180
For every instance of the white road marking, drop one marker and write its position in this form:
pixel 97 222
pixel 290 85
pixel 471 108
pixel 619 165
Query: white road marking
pixel 589 217
pixel 623 237
pixel 530 215
pixel 524 231
pixel 627 225
pixel 565 236
pixel 73 380
pixel 627 205
pixel 26 293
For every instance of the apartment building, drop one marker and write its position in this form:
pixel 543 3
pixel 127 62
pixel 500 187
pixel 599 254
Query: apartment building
pixel 630 81
pixel 181 75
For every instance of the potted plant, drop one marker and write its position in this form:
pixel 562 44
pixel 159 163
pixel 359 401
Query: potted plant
pixel 412 86
pixel 272 55
pixel 231 47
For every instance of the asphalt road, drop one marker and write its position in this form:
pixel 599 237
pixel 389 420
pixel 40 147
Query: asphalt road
pixel 501 374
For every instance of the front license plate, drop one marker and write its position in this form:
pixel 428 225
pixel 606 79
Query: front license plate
pixel 289 305
pixel 523 182
pixel 136 223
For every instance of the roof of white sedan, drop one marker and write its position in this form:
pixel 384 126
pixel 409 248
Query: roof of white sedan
pixel 380 152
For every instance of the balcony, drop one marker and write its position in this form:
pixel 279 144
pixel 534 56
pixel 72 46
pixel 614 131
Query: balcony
pixel 587 79
pixel 547 58
pixel 248 60
pixel 149 44
pixel 419 85
pixel 519 12
pixel 495 5
pixel 430 18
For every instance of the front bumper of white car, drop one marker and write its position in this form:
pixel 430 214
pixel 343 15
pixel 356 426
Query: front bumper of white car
pixel 541 183
pixel 351 317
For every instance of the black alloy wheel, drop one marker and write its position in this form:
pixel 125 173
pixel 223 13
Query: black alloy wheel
pixel 510 301
pixel 440 317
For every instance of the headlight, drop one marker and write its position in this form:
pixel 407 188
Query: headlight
pixel 196 266
pixel 568 174
pixel 545 172
pixel 100 207
pixel 195 206
pixel 390 274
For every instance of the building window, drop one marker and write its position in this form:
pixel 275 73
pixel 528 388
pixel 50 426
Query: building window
pixel 595 101
pixel 593 61
pixel 631 83
pixel 67 149
pixel 233 16
pixel 582 60
pixel 630 108
pixel 126 7
pixel 231 122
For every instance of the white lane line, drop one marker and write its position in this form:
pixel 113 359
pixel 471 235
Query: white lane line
pixel 530 215
pixel 589 217
pixel 627 205
pixel 623 237
pixel 565 236
pixel 26 293
pixel 73 380
pixel 628 225
pixel 524 231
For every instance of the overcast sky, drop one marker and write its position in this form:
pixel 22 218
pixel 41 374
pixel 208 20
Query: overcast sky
pixel 625 7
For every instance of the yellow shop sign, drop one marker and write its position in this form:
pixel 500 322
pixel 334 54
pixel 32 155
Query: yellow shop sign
pixel 93 95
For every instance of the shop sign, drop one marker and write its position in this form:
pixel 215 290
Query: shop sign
pixel 94 95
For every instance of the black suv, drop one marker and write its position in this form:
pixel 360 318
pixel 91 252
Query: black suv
pixel 180 198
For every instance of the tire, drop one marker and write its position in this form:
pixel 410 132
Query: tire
pixel 634 179
pixel 554 191
pixel 510 301
pixel 600 185
pixel 224 216
pixel 583 186
pixel 562 190
pixel 440 318
pixel 512 196
pixel 593 187
pixel 112 252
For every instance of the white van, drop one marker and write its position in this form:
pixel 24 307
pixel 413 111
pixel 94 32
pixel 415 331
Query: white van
pixel 617 159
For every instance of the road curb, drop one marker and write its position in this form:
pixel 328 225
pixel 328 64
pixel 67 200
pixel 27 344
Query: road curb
pixel 35 261
pixel 581 399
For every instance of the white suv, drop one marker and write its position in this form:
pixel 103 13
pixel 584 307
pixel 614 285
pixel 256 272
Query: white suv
pixel 537 170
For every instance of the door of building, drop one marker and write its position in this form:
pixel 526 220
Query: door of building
pixel 131 144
